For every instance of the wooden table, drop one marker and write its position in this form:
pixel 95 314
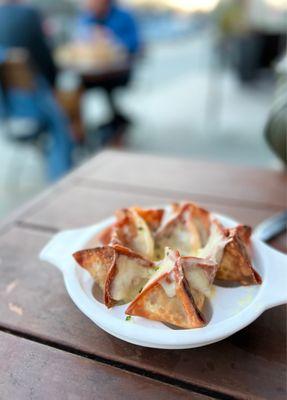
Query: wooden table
pixel 116 75
pixel 112 74
pixel 50 350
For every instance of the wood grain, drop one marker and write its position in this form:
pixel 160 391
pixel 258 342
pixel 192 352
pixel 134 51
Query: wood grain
pixel 79 206
pixel 33 301
pixel 30 370
pixel 249 365
pixel 239 185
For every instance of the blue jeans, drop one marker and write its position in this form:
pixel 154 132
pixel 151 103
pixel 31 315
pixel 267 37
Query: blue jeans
pixel 59 151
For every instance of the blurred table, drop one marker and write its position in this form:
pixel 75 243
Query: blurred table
pixel 49 349
pixel 97 67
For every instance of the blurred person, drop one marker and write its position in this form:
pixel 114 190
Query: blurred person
pixel 21 28
pixel 108 15
pixel 119 25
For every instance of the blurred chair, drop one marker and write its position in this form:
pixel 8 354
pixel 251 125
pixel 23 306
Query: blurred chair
pixel 32 113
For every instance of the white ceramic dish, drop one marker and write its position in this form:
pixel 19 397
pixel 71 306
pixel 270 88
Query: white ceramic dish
pixel 232 308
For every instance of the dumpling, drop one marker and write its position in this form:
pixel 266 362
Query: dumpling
pixel 128 226
pixel 215 245
pixel 118 271
pixel 127 276
pixel 132 231
pixel 201 219
pixel 152 217
pixel 235 265
pixel 167 298
pixel 97 262
pixel 244 233
pixel 187 231
pixel 200 274
pixel 228 248
pixel 105 236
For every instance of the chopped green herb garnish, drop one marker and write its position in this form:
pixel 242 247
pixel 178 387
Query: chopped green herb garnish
pixel 128 318
pixel 140 228
pixel 156 268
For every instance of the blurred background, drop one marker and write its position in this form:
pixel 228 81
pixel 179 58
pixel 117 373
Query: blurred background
pixel 204 79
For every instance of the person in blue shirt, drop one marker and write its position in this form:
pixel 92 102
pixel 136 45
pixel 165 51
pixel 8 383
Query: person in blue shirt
pixel 120 22
pixel 109 16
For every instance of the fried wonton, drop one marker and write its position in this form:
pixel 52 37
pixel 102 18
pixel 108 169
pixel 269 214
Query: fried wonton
pixel 118 271
pixel 215 245
pixel 228 248
pixel 97 262
pixel 244 232
pixel 201 219
pixel 133 232
pixel 187 231
pixel 152 217
pixel 200 274
pixel 235 265
pixel 127 276
pixel 167 298
pixel 105 236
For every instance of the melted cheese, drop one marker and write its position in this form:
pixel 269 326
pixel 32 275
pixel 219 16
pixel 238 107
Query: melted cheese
pixel 130 278
pixel 169 285
pixel 164 274
pixel 214 246
pixel 180 239
pixel 143 243
pixel 197 279
pixel 182 235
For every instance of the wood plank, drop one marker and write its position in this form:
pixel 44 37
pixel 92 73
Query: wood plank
pixel 240 185
pixel 51 190
pixel 30 370
pixel 249 365
pixel 79 206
